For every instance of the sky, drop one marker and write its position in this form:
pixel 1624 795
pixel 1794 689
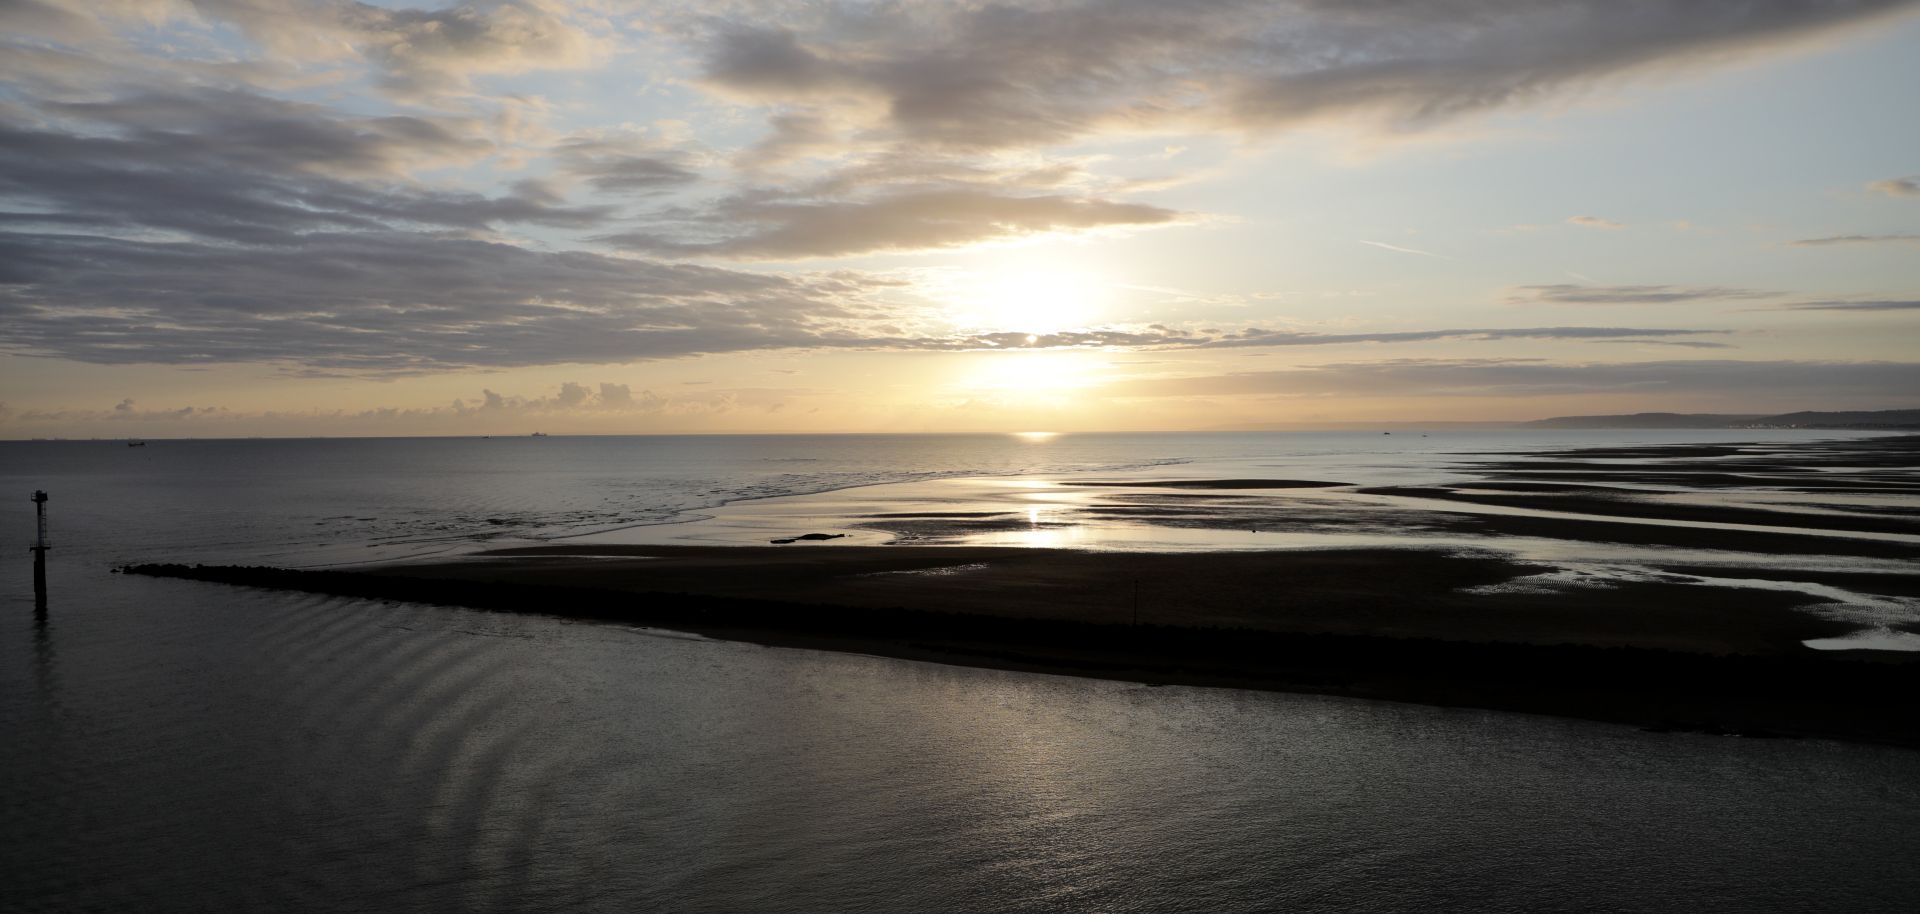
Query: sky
pixel 224 218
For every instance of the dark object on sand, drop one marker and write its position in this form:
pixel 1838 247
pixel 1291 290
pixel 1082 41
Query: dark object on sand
pixel 807 536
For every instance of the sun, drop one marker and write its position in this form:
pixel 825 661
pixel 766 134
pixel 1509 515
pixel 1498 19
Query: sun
pixel 1031 299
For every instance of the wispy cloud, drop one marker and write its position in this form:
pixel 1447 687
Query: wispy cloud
pixel 1676 344
pixel 1897 187
pixel 241 167
pixel 752 229
pixel 413 53
pixel 1002 75
pixel 1757 382
pixel 1404 250
pixel 1853 305
pixel 1569 294
pixel 1159 337
pixel 1857 239
pixel 437 304
pixel 1594 222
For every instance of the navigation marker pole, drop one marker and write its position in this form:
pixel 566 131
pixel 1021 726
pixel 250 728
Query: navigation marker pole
pixel 40 548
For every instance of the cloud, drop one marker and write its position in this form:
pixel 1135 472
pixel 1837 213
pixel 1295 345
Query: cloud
pixel 370 303
pixel 624 164
pixel 573 401
pixel 1677 344
pixel 329 185
pixel 1856 239
pixel 414 52
pixel 787 230
pixel 573 398
pixel 791 136
pixel 438 50
pixel 630 174
pixel 858 83
pixel 1853 305
pixel 1757 382
pixel 242 167
pixel 1570 294
pixel 1395 247
pixel 124 411
pixel 1897 187
pixel 49 19
pixel 1259 337
pixel 608 400
pixel 255 132
pixel 1594 222
pixel 1156 337
pixel 1003 75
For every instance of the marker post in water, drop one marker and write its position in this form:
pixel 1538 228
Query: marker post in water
pixel 40 548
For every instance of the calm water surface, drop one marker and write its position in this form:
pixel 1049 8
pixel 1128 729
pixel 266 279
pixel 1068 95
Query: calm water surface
pixel 176 746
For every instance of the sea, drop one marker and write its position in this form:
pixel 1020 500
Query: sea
pixel 177 746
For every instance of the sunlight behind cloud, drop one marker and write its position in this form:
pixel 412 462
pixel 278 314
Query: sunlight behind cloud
pixel 1031 298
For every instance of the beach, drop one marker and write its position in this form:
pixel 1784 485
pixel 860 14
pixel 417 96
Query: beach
pixel 1705 614
pixel 507 668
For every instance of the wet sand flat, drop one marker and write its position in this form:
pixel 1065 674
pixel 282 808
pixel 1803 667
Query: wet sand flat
pixel 1629 598
pixel 1622 504
pixel 1398 625
pixel 1397 593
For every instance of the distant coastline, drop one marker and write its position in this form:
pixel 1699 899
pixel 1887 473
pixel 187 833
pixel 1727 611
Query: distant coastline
pixel 1887 419
pixel 1829 420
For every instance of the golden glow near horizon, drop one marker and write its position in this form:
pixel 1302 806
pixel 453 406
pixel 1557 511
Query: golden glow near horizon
pixel 1033 378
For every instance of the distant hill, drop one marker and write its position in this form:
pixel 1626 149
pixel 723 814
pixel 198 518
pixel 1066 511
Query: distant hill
pixel 1889 418
pixel 1646 420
